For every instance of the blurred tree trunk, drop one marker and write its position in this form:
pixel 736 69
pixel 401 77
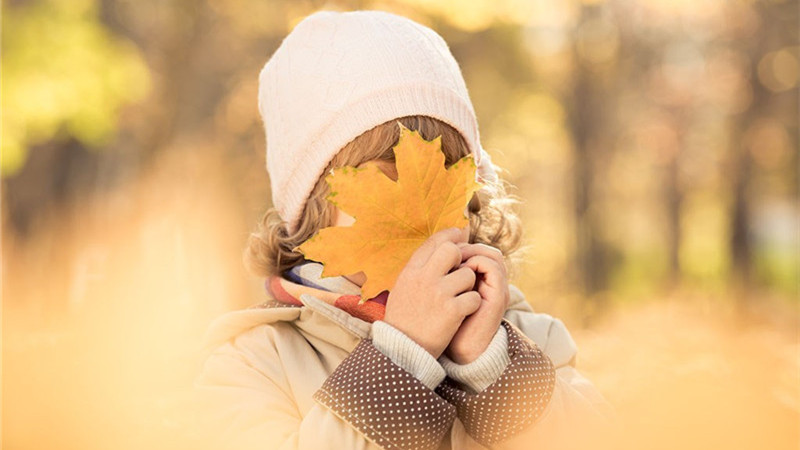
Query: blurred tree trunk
pixel 741 164
pixel 674 199
pixel 173 49
pixel 740 245
pixel 674 195
pixel 587 107
pixel 592 269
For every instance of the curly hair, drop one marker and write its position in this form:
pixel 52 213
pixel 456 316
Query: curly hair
pixel 492 218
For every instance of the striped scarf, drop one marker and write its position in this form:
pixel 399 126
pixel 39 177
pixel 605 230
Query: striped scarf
pixel 337 291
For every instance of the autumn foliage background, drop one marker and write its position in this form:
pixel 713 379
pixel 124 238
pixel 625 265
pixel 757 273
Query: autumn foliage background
pixel 653 143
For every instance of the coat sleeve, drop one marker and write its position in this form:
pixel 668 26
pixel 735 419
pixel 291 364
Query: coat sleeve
pixel 368 402
pixel 533 404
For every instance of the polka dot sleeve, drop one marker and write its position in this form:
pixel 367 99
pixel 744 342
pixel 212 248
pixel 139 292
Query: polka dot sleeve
pixel 387 404
pixel 514 401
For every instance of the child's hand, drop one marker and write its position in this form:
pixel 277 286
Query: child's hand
pixel 477 330
pixel 427 303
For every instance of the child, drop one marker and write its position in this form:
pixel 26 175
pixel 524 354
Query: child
pixel 452 356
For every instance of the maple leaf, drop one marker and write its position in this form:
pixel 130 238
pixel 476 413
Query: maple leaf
pixel 392 219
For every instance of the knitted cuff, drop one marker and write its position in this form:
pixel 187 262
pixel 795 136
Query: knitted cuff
pixel 406 353
pixel 486 369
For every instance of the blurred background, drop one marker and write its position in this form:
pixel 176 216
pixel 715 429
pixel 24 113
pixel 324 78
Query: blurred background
pixel 654 145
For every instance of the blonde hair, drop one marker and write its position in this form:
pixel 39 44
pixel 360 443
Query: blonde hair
pixel 492 218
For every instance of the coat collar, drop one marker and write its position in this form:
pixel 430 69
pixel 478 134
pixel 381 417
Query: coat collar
pixel 314 314
pixel 329 323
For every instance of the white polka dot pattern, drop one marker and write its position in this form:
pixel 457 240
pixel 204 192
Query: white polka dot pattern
pixel 386 403
pixel 514 401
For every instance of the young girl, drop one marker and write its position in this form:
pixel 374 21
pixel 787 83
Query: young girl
pixel 452 356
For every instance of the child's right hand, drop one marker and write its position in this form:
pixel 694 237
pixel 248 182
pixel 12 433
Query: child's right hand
pixel 428 303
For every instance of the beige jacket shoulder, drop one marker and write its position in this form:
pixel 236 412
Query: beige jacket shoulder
pixel 265 364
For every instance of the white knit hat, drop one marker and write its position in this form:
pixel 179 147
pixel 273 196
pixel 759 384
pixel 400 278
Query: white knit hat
pixel 337 75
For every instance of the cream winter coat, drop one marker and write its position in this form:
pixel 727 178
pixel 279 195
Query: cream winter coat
pixel 287 377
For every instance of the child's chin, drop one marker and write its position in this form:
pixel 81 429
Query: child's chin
pixel 357 278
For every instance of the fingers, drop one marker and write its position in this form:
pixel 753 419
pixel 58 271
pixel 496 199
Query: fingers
pixel 446 257
pixel 493 285
pixel 470 250
pixel 467 303
pixel 431 245
pixel 459 280
pixel 494 273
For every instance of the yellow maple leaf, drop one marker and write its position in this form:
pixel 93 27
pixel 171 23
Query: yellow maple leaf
pixel 392 219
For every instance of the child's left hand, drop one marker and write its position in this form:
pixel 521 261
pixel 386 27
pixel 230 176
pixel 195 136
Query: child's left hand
pixel 478 329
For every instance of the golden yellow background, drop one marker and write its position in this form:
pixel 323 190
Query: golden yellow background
pixel 653 143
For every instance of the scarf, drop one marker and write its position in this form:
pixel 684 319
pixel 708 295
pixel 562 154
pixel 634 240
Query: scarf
pixel 337 291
